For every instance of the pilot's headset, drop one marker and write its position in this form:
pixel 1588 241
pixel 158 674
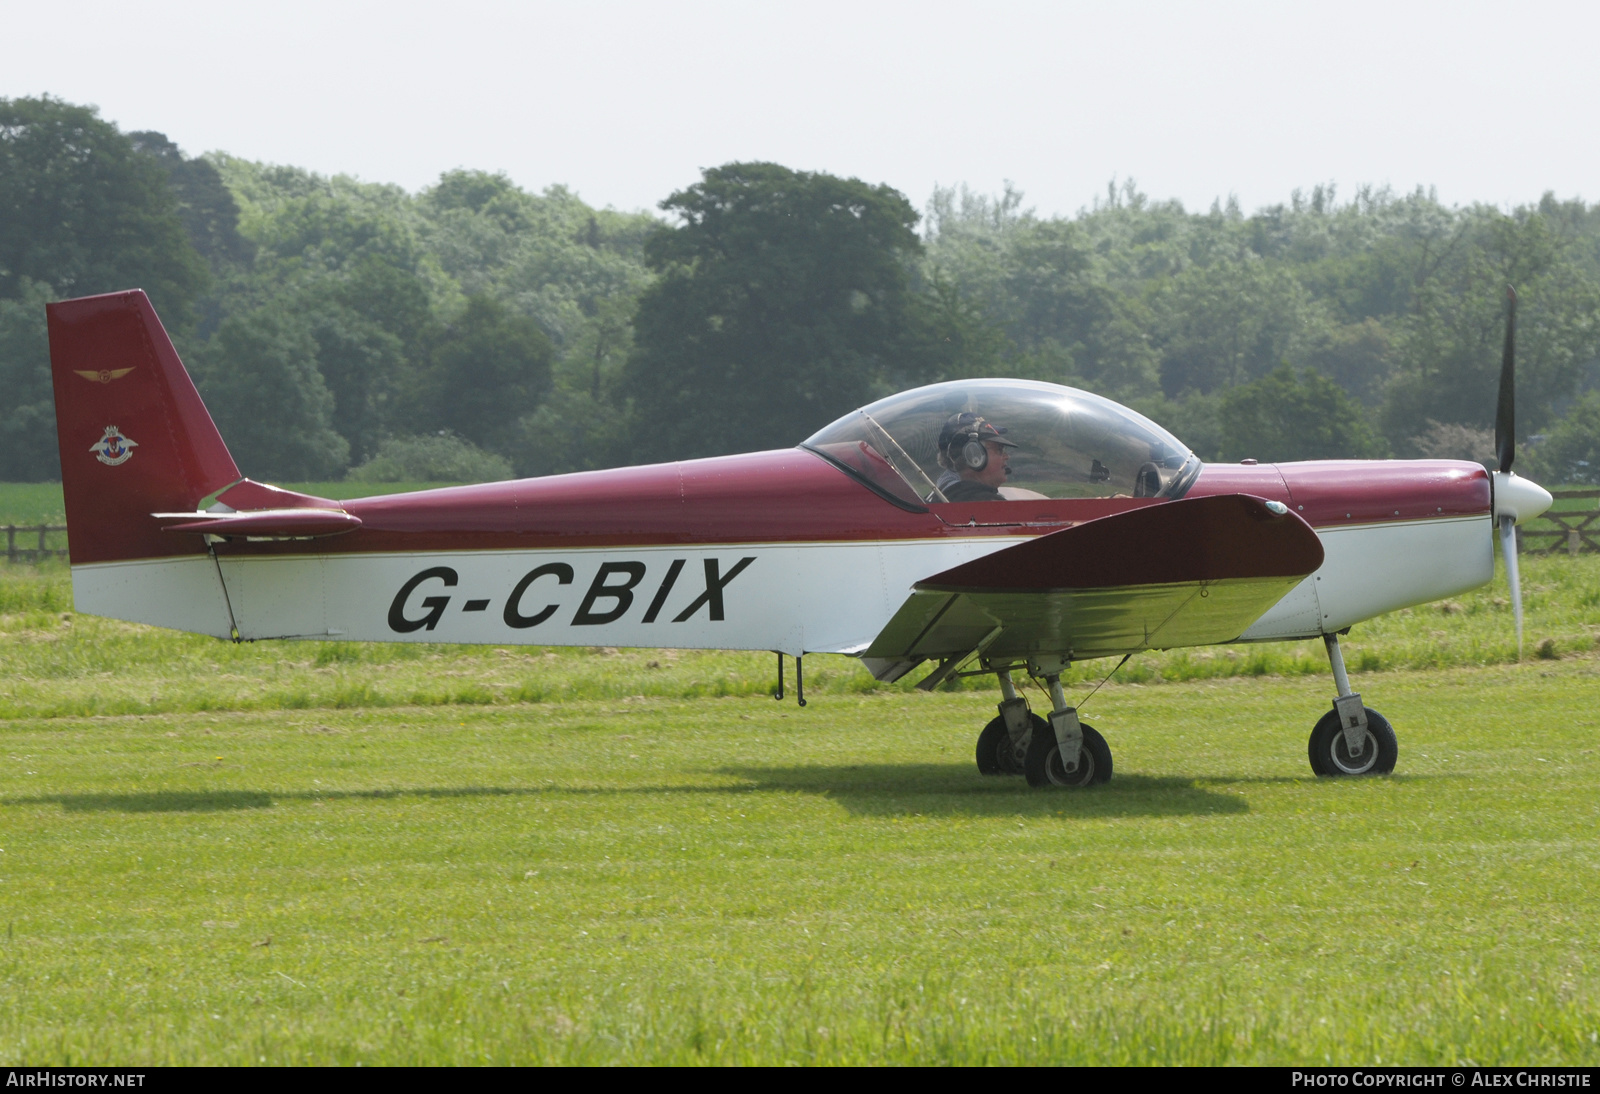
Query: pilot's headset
pixel 974 453
pixel 964 444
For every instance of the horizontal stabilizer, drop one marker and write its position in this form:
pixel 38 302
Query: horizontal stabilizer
pixel 249 494
pixel 262 524
pixel 1183 573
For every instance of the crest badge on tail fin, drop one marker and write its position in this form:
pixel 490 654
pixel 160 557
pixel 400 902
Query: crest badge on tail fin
pixel 113 448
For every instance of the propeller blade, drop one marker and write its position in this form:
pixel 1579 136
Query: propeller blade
pixel 1505 411
pixel 1508 548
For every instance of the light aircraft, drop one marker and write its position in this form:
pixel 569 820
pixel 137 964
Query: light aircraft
pixel 986 526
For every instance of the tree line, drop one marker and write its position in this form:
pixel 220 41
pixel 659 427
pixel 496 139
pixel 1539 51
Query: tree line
pixel 476 330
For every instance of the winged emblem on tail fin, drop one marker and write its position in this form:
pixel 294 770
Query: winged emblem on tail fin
pixel 103 375
pixel 113 448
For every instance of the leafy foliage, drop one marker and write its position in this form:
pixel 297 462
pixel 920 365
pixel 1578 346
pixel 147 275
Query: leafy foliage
pixel 563 337
pixel 780 305
pixel 268 398
pixel 441 457
pixel 1295 416
pixel 28 450
pixel 1395 298
pixel 481 373
pixel 83 211
pixel 1571 452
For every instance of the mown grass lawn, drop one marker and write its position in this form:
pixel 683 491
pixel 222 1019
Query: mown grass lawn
pixel 616 873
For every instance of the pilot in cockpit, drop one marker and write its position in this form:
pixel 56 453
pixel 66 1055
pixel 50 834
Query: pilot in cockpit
pixel 975 458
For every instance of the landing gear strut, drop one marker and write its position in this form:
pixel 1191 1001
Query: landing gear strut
pixel 1019 742
pixel 1350 739
pixel 1073 753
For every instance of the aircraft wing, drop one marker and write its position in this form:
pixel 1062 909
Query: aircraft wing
pixel 1182 573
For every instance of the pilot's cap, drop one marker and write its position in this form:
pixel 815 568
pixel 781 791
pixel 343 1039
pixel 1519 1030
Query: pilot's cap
pixel 968 426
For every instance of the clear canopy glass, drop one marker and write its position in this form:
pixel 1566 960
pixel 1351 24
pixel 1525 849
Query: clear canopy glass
pixel 1069 443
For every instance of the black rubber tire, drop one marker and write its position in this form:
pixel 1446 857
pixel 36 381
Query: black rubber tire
pixel 996 755
pixel 1044 767
pixel 1330 757
pixel 989 745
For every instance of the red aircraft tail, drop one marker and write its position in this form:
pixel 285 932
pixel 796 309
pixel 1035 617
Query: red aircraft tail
pixel 135 437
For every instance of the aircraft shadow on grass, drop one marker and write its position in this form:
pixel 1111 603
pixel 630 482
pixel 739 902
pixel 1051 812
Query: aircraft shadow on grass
pixel 221 801
pixel 865 789
pixel 952 790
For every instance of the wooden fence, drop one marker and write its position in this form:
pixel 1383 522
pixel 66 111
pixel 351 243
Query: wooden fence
pixel 1576 529
pixel 41 536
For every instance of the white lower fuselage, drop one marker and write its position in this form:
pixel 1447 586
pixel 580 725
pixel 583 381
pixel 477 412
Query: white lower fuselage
pixel 793 598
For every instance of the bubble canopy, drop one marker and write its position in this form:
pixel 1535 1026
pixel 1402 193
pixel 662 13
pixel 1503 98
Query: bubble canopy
pixel 1068 443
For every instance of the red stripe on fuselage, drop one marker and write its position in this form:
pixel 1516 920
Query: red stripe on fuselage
pixel 785 496
pixel 794 496
pixel 1338 493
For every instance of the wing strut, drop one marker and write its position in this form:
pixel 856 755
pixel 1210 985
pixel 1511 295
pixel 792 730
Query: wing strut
pixel 952 665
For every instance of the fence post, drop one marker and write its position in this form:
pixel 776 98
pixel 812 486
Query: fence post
pixel 11 543
pixel 43 528
pixel 1574 544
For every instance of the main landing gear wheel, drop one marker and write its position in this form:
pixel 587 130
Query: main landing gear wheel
pixel 1043 765
pixel 1331 755
pixel 998 755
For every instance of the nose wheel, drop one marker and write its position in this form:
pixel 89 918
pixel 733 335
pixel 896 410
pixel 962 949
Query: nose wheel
pixel 1374 752
pixel 1350 739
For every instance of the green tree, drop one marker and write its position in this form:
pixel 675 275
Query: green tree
pixel 1230 323
pixel 548 256
pixel 370 320
pixel 260 380
pixel 1356 356
pixel 1041 289
pixel 1449 348
pixel 206 208
pixel 483 372
pixel 82 211
pixel 781 305
pixel 361 364
pixel 28 451
pixel 1571 451
pixel 440 457
pixel 1295 415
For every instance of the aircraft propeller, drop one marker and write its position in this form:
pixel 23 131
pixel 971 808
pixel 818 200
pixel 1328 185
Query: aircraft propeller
pixel 1514 498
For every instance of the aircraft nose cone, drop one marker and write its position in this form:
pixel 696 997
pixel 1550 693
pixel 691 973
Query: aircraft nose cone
pixel 1519 499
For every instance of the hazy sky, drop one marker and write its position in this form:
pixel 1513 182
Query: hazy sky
pixel 627 101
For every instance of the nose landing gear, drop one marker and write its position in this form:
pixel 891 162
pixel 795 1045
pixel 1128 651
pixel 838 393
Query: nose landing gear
pixel 1351 739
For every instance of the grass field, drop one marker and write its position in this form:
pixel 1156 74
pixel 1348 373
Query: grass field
pixel 297 853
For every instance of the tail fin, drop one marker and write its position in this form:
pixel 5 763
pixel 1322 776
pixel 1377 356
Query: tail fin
pixel 135 437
